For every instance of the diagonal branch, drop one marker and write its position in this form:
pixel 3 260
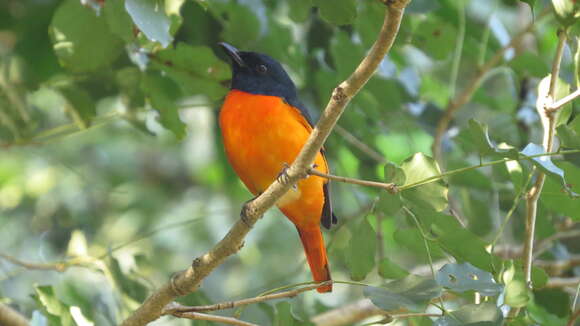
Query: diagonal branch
pixel 214 318
pixel 548 119
pixel 11 317
pixel 175 307
pixel 189 280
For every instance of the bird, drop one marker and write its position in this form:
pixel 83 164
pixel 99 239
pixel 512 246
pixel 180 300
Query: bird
pixel 264 126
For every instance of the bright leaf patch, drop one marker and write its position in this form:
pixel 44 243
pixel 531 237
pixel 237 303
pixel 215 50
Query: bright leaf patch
pixel 433 195
pixel 546 165
pixel 81 39
pixel 151 19
pixel 466 277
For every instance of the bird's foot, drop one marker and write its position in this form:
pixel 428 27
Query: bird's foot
pixel 283 176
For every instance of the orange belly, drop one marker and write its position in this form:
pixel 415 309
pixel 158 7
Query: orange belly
pixel 262 133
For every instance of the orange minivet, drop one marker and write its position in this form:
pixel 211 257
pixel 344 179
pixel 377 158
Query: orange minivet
pixel 264 127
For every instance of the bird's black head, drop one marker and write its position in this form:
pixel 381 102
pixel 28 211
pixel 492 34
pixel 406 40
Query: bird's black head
pixel 258 73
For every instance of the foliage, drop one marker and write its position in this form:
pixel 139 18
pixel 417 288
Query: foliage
pixel 111 162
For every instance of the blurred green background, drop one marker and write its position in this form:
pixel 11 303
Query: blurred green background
pixel 111 159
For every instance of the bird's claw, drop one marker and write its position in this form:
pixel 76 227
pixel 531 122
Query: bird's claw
pixel 283 176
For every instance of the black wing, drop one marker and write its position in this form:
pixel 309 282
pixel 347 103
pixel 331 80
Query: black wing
pixel 328 217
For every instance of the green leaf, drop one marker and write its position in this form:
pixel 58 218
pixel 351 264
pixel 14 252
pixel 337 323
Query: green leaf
pixel 517 294
pixel 199 60
pixel 466 277
pixel 531 64
pixel 299 10
pixel 480 137
pixel 389 203
pixel 361 251
pixel 151 19
pixel 81 40
pixel 435 37
pixel 433 195
pixel 570 134
pixel 57 312
pixel 118 20
pixel 456 240
pixel 540 315
pixel 394 174
pixel 539 277
pixel 345 54
pixel 241 26
pixel 555 301
pixel 556 199
pixel 422 6
pixel 133 288
pixel 545 164
pixel 80 105
pixel 388 269
pixel 337 12
pixel 485 314
pixel 163 94
pixel 412 240
pixel 286 317
pixel 413 293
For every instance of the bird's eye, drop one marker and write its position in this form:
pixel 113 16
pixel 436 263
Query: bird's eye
pixel 262 69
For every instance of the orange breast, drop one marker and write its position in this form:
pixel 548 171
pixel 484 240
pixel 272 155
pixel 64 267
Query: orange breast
pixel 260 134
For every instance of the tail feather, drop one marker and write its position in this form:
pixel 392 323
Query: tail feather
pixel 316 255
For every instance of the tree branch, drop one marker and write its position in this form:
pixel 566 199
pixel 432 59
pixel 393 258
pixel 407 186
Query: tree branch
pixel 59 266
pixel 348 315
pixel 548 119
pixel 215 318
pixel 563 101
pixel 11 317
pixel 188 280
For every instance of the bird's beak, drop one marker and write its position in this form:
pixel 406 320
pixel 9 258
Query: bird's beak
pixel 233 53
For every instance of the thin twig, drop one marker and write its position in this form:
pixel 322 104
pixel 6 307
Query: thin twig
pixel 393 188
pixel 559 267
pixel 348 314
pixel 390 187
pixel 546 243
pixel 208 317
pixel 563 101
pixel 562 282
pixel 189 280
pixel 573 318
pixel 549 124
pixel 174 307
pixel 351 139
pixel 59 266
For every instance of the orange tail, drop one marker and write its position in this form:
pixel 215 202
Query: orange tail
pixel 316 255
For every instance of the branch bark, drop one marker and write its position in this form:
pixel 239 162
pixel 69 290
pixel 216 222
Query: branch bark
pixel 11 317
pixel 348 315
pixel 189 280
pixel 548 119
